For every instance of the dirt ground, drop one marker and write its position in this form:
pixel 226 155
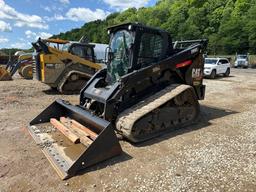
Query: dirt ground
pixel 216 154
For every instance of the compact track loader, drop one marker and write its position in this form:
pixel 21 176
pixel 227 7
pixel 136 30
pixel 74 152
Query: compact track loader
pixel 148 88
pixel 23 65
pixel 64 65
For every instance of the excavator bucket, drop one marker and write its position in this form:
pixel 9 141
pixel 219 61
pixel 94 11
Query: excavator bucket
pixel 4 74
pixel 72 138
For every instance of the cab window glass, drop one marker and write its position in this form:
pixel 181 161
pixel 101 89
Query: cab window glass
pixel 88 53
pixel 150 49
pixel 78 51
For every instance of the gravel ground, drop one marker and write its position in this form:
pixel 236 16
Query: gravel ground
pixel 216 154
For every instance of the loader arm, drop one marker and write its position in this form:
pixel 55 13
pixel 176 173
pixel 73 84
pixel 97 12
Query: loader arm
pixel 23 61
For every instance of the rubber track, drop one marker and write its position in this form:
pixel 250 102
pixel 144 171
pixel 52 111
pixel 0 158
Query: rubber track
pixel 63 82
pixel 126 120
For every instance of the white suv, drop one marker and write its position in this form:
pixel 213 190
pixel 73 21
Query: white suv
pixel 216 66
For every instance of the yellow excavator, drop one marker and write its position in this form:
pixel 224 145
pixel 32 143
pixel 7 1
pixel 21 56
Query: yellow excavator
pixel 66 65
pixel 23 65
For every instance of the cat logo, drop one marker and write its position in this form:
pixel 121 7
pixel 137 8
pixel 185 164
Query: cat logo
pixel 197 73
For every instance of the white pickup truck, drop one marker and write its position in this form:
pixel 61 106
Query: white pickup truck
pixel 216 66
pixel 242 61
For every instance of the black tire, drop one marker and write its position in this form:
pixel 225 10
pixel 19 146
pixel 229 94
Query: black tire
pixel 213 74
pixel 54 89
pixel 227 73
pixel 27 72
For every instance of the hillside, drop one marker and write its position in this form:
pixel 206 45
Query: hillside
pixel 229 25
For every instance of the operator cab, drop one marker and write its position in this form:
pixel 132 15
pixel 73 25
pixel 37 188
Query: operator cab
pixel 135 46
pixel 82 50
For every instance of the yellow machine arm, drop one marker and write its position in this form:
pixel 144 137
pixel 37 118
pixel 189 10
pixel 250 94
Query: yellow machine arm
pixel 64 55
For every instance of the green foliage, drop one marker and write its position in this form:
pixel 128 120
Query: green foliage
pixel 11 51
pixel 230 25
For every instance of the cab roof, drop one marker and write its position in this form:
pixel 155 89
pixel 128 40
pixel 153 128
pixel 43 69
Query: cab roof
pixel 59 41
pixel 134 26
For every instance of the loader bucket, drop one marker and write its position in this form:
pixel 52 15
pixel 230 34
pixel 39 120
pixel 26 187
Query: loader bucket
pixel 68 157
pixel 4 74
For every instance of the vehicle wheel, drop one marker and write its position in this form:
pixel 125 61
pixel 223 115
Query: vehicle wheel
pixel 213 74
pixel 27 72
pixel 226 74
pixel 54 89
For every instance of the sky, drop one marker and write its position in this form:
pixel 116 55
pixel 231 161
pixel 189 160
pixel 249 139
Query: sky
pixel 22 22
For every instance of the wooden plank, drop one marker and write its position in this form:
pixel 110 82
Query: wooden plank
pixel 86 141
pixel 92 135
pixel 67 122
pixel 84 137
pixel 65 131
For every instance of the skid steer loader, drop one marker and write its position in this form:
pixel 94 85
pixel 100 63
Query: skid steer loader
pixel 148 88
pixel 23 65
pixel 64 65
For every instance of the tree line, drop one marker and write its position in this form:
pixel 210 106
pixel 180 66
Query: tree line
pixel 230 25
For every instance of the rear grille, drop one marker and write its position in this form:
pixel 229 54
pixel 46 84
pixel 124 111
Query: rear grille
pixel 36 67
pixel 240 62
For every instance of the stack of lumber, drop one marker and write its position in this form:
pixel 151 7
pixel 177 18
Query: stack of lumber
pixel 74 131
